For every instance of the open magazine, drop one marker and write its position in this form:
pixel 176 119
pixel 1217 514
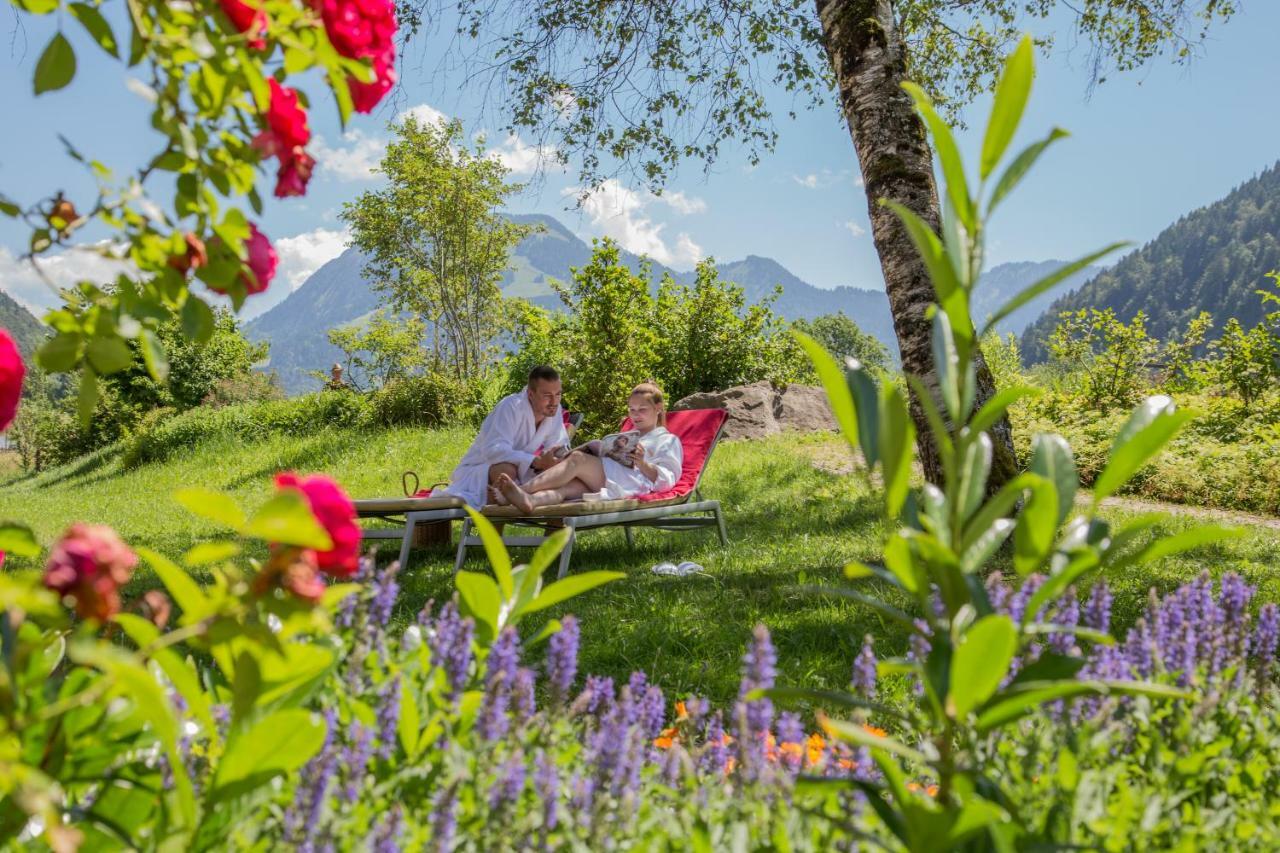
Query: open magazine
pixel 616 446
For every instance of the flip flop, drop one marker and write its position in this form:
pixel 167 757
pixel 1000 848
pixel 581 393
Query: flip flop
pixel 664 569
pixel 688 567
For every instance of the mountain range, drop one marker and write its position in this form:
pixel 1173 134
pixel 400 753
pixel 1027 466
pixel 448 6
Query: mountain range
pixel 27 332
pixel 1213 259
pixel 337 294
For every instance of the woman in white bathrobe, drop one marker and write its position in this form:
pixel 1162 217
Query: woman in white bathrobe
pixel 658 459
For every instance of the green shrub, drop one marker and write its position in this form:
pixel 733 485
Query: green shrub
pixel 427 400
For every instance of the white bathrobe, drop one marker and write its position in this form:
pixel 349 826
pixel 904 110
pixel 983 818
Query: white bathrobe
pixel 508 434
pixel 662 449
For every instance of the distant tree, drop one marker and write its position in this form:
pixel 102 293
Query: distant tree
pixel 1106 361
pixel 385 348
pixel 638 88
pixel 1246 362
pixel 711 339
pixel 843 338
pixel 436 241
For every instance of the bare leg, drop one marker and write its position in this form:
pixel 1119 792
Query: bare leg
pixel 577 466
pixel 496 471
pixel 526 502
pixel 497 497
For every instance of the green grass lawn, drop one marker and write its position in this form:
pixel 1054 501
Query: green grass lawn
pixel 792 522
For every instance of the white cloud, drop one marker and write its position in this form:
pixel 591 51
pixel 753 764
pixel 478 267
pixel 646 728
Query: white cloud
pixel 424 113
pixel 682 203
pixel 354 157
pixel 621 213
pixel 303 254
pixel 809 181
pixel 853 228
pixel 521 157
pixel 20 280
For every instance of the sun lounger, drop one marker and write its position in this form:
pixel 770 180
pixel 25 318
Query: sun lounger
pixel 679 508
pixel 421 509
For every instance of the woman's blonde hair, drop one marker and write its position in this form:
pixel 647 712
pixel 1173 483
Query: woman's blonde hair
pixel 653 393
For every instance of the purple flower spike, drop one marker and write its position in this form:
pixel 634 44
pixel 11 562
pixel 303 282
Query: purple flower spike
pixel 562 659
pixel 510 782
pixel 546 782
pixel 451 647
pixel 355 760
pixel 524 705
pixel 716 756
pixel 444 824
pixel 385 590
pixel 759 669
pixel 600 692
pixel 1097 611
pixel 864 670
pixel 388 717
pixel 387 837
pixel 652 711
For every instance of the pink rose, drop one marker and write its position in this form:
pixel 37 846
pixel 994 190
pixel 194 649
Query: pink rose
pixel 359 28
pixel 294 174
pixel 366 96
pixel 249 19
pixel 11 372
pixel 286 122
pixel 262 261
pixel 89 564
pixel 336 514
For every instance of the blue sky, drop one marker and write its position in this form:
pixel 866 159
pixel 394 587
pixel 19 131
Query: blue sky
pixel 1146 147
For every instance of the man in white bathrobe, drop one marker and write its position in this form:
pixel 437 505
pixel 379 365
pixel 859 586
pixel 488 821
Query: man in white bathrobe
pixel 519 438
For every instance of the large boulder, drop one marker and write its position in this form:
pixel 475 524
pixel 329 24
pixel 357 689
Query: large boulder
pixel 759 409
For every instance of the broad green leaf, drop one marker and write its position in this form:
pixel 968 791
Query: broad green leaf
pixel 197 319
pixel 857 734
pixel 1082 563
pixel 825 699
pixel 408 725
pixel 931 251
pixel 948 155
pixel 287 518
pixel 1102 638
pixel 215 506
pixel 1149 428
pixel 18 540
pixel 996 406
pixel 866 403
pixel 1006 109
pixel 205 553
pixel 998 506
pixel 1186 540
pixel 1036 527
pixel 897 559
pixel 986 545
pixel 1046 284
pixel 839 396
pixel 980 662
pixel 897 443
pixel 185 592
pixel 56 66
pixel 87 399
pixel 1017 170
pixel 153 355
pixel 1012 704
pixel 97 26
pixel 480 599
pixel 60 353
pixel 567 588
pixel 8 206
pixel 1052 459
pixel 108 354
pixel 496 551
pixel 974 468
pixel 278 743
pixel 183 677
pixel 946 361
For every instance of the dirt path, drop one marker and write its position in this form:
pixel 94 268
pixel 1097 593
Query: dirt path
pixel 1228 516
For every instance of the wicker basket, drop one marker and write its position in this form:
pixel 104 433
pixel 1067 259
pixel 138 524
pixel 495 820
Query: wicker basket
pixel 432 533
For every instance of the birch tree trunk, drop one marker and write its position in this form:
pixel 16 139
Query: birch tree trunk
pixel 862 41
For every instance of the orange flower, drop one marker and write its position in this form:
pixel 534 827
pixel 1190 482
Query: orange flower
pixel 729 765
pixel 794 751
pixel 872 730
pixel 682 713
pixel 916 787
pixel 814 747
pixel 666 739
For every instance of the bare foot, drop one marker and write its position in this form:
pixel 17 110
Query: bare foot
pixel 497 497
pixel 518 497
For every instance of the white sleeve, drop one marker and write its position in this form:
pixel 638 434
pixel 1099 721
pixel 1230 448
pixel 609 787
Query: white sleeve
pixel 668 458
pixel 498 434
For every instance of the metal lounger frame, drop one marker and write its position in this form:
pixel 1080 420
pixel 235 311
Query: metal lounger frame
pixel 411 520
pixel 689 515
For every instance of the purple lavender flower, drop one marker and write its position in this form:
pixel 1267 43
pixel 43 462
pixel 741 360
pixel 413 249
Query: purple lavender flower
pixel 510 783
pixel 584 791
pixel 1020 599
pixel 524 704
pixel 652 713
pixel 388 717
pixel 1266 635
pixel 1139 649
pixel 716 756
pixel 759 669
pixel 791 731
pixel 919 648
pixel 1067 614
pixel 864 670
pixel 444 825
pixel 562 659
pixel 546 783
pixel 451 647
pixel 1097 611
pixel 607 742
pixel 386 839
pixel 1233 601
pixel 355 760
pixel 696 707
pixel 998 593
pixel 1185 655
pixel 599 690
pixel 500 678
pixel 382 601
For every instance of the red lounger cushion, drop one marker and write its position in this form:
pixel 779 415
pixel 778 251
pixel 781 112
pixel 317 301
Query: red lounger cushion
pixel 696 429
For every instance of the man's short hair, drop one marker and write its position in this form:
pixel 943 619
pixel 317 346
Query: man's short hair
pixel 543 372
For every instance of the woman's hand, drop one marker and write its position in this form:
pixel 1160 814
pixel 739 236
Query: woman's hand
pixel 644 466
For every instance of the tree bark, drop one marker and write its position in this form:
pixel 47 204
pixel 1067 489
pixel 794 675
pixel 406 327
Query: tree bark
pixel 866 52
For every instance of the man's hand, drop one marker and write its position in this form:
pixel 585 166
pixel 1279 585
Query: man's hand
pixel 544 461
